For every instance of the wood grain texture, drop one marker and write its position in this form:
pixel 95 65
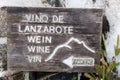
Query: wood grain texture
pixel 87 27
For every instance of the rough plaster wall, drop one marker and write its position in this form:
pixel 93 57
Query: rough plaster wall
pixel 113 15
pixel 22 3
pixel 84 3
pixel 111 7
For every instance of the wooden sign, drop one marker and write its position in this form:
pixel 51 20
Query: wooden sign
pixel 53 39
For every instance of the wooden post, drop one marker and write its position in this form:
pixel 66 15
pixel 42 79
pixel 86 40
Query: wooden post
pixel 79 75
pixel 27 77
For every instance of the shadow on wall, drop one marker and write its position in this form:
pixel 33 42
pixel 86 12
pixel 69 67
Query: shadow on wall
pixel 106 26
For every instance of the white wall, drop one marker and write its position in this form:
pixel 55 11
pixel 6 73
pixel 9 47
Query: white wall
pixel 113 15
pixel 22 3
pixel 84 4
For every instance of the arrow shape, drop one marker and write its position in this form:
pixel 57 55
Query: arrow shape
pixel 68 61
pixel 79 61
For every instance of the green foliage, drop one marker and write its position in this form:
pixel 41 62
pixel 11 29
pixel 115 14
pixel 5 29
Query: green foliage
pixel 117 49
pixel 107 70
pixel 74 78
pixel 104 71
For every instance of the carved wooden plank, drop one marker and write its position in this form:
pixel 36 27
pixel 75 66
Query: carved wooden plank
pixel 53 39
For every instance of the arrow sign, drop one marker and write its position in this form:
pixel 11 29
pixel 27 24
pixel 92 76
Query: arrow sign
pixel 79 61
